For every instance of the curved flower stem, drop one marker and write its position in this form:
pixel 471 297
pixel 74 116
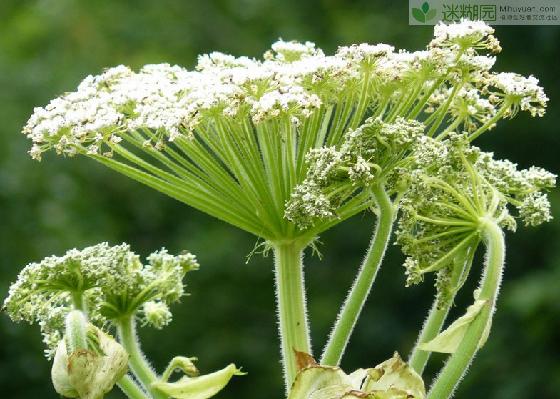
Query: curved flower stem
pixel 488 124
pixel 131 389
pixel 138 364
pixel 459 361
pixel 292 313
pixel 355 300
pixel 438 314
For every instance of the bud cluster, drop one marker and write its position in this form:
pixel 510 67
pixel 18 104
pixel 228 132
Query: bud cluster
pixel 107 281
pixel 372 153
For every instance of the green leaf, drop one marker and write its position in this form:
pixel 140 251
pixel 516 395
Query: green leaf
pixel 431 14
pixel 425 7
pixel 418 15
pixel 448 340
pixel 202 387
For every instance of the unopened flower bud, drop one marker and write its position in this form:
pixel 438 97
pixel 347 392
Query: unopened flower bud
pixel 157 314
pixel 89 373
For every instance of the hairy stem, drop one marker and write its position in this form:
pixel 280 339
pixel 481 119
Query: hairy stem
pixel 78 300
pixel 457 365
pixel 292 313
pixel 138 364
pixel 76 331
pixel 433 324
pixel 355 300
pixel 131 389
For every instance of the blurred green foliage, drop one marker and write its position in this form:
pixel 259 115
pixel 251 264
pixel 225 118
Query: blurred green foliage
pixel 48 46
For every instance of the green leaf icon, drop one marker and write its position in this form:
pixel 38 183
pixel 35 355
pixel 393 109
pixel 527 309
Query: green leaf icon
pixel 431 14
pixel 425 7
pixel 418 15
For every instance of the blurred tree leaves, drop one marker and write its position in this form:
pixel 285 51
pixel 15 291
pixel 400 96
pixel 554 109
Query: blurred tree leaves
pixel 48 46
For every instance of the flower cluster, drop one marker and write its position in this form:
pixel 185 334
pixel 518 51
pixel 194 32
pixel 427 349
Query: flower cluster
pixel 235 137
pixel 173 101
pixel 468 108
pixel 465 34
pixel 293 80
pixel 519 92
pixel 455 188
pixel 373 152
pixel 107 281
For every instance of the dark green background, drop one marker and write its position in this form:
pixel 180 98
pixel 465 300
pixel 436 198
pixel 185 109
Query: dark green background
pixel 48 46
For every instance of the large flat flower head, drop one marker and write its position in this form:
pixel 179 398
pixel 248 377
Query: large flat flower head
pixel 232 136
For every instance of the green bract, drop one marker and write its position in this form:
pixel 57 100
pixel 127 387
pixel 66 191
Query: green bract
pixel 193 386
pixel 392 379
pixel 448 341
pixel 89 374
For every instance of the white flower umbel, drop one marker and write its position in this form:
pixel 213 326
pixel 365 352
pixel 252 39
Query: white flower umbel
pixel 454 203
pixel 466 34
pixel 231 136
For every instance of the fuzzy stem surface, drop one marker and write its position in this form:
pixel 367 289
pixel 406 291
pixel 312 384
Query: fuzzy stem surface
pixel 130 389
pixel 359 293
pixel 292 312
pixel 126 329
pixel 437 315
pixel 458 363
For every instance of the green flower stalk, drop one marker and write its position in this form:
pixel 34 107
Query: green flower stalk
pixel 76 298
pixel 461 197
pixel 455 186
pixel 289 145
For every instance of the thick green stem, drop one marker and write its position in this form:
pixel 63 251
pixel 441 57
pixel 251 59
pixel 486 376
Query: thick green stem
pixel 354 303
pixel 78 300
pixel 138 364
pixel 459 361
pixel 438 313
pixel 290 294
pixel 131 389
